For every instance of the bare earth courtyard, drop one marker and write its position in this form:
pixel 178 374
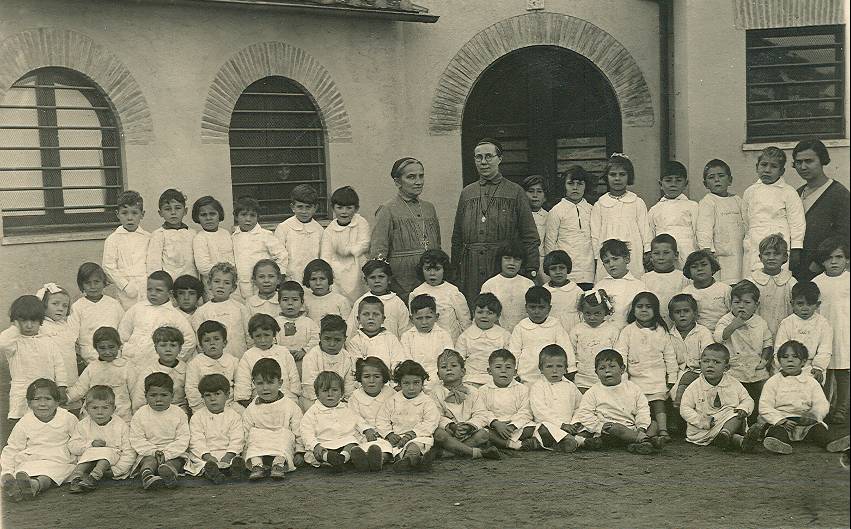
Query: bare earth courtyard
pixel 684 486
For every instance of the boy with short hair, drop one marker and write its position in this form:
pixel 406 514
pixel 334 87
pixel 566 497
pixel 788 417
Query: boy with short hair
pixel 264 331
pixel 371 338
pixel 507 401
pixel 535 332
pixel 620 285
pixel 774 283
pixel 565 293
pixel 187 291
pixel 226 310
pixel 300 234
pixel 665 280
pixel 689 339
pixel 252 242
pixel 554 400
pixel 675 214
pixel 807 326
pixel 299 334
pixel 125 250
pixel 329 355
pixel 167 342
pixel 170 245
pixel 482 338
pixel 345 242
pixel 720 227
pixel 426 340
pixel 216 434
pixel 212 341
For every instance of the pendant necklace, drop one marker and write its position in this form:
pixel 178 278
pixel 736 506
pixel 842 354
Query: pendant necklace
pixel 486 207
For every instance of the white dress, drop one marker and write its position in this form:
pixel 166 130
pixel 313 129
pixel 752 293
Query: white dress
pixel 64 338
pixel 345 249
pixel 116 435
pixel 511 292
pixel 650 359
pixel 792 396
pixel 677 217
pixel 587 342
pixel 40 448
pixel 243 385
pixel 152 365
pixel 476 345
pixel 554 404
pixel 234 316
pixel 623 218
pixel 621 292
pixel 509 404
pixel 316 361
pixel 124 256
pixel 210 248
pixel 166 431
pixel 527 341
pixel 721 229
pixel 745 345
pixel 836 307
pixel 665 286
pixel 30 358
pixel 383 345
pixel 202 365
pixel 400 414
pixel 215 434
pixel 316 307
pixel 88 316
pixel 139 323
pixel 424 348
pixel 297 333
pixel 273 429
pixel 565 303
pixel 768 209
pixel 775 296
pixel 712 302
pixel 815 333
pixel 171 250
pixel 698 407
pixel 452 309
pixel 569 228
pixel 302 242
pixel 331 428
pixel 252 246
pixel 623 404
pixel 119 375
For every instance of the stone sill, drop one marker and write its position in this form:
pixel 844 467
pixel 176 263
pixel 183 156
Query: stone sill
pixel 789 145
pixel 11 240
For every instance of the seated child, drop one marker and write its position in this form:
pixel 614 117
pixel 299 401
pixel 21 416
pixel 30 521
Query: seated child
pixel 213 244
pixel 720 228
pixel 665 280
pixel 140 321
pixel 300 333
pixel 407 420
pixel 716 405
pixel 266 276
pixel 377 274
pixel 592 334
pixel 321 299
pixel 159 433
pixel 212 341
pixel 425 341
pixel 252 242
pixel 224 309
pixel 263 330
pixel 565 293
pixel 345 242
pixel 507 402
pixel 689 339
pixel 30 355
pixel 272 424
pixel 300 234
pixel 188 291
pixel 100 442
pixel 372 338
pixel 774 283
pixel 614 411
pixel 462 429
pixel 329 355
pixel 92 311
pixel 620 285
pixel 482 338
pixel 373 376
pixel 713 297
pixel 333 433
pixel 36 455
pixel 452 308
pixel 170 245
pixel 108 370
pixel 536 332
pixel 216 436
pixel 807 326
pixel 794 406
pixel 167 342
pixel 508 285
pixel 674 214
pixel 554 400
pixel 125 250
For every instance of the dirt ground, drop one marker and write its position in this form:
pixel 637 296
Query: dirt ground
pixel 684 486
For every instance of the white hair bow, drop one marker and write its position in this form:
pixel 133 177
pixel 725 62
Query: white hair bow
pixel 53 288
pixel 619 155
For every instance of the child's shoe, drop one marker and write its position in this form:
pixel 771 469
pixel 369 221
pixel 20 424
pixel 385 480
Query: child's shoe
pixel 25 484
pixel 491 452
pixel 426 461
pixel 168 474
pixel 212 472
pixel 839 445
pixel 722 440
pixel 278 471
pixel 74 486
pixel 643 448
pixel 10 488
pixel 753 437
pixel 403 464
pixel 593 443
pixel 530 444
pixel 151 481
pixel 88 483
pixel 772 443
pixel 335 459
pixel 257 472
pixel 359 459
pixel 566 445
pixel 375 458
pixel 237 467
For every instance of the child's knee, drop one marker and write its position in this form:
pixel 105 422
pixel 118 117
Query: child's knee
pixel 479 438
pixel 441 435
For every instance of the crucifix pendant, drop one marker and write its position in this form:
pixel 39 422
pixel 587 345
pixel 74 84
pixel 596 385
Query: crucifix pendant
pixel 484 218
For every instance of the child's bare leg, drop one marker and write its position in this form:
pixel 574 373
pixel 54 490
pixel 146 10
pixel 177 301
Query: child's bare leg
pixel 445 440
pixel 730 434
pixel 624 434
pixel 498 441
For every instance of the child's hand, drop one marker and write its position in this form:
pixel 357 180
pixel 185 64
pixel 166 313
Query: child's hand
pixel 317 452
pixel 502 429
pixel 569 428
pixel 371 435
pixel 464 429
pixel 818 374
pixel 298 354
pixel 393 438
pixel 787 424
pixel 289 329
pixel 98 443
pixel 794 258
pixel 607 427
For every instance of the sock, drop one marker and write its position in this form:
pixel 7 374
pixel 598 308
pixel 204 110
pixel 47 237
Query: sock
pixel 256 461
pixel 96 474
pixel 147 472
pixel 346 456
pixel 477 453
pixel 514 445
pixel 579 440
pixel 737 440
pixel 279 460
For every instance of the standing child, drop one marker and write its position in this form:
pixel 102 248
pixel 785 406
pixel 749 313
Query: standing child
pixel 156 311
pixel 614 410
pixel 187 291
pixel 807 326
pixel 452 307
pixel 565 293
pixel 675 214
pixel 212 342
pixel 125 250
pixel 425 341
pixel 108 370
pixel 371 338
pixel 300 234
pixel 620 214
pixel 266 276
pixel 377 274
pixel 272 424
pixel 36 455
pixel 213 244
pixel 770 205
pixel 665 280
pixel 321 299
pixel 167 342
pixel 159 434
pixel 345 242
pixel 713 297
pixel 367 400
pixel 534 187
pixel 100 442
pixel 835 286
pixel 554 400
pixel 216 436
pixel 591 335
pixel 329 355
pixel 746 336
pixel 794 406
pixel 170 246
pixel 299 333
pixel 774 283
pixel 409 418
pixel 264 330
pixel 536 332
pixel 30 355
pixel 462 428
pixel 57 303
pixel 620 284
pixel 224 309
pixel 482 338
pixel 509 286
pixel 507 401
pixel 92 311
pixel 689 339
pixel 252 242
pixel 720 228
pixel 716 405
pixel 568 226
pixel 651 361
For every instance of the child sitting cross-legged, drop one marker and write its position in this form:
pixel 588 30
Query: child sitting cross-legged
pixel 272 424
pixel 333 433
pixel 108 370
pixel 425 340
pixel 367 400
pixel 463 414
pixel 159 433
pixel 167 342
pixel 554 401
pixel 101 442
pixel 482 338
pixel 216 434
pixel 329 355
pixel 507 401
pixel 212 341
pixel 716 405
pixel 408 419
pixel 535 332
pixel 614 411
pixel 263 330
pixel 371 337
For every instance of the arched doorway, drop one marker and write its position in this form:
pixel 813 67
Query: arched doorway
pixel 550 108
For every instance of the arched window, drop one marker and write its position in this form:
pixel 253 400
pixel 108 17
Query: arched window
pixel 60 156
pixel 277 141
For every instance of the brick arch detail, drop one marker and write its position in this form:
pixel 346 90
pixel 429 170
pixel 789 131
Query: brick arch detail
pixel 263 60
pixel 536 29
pixel 24 52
